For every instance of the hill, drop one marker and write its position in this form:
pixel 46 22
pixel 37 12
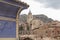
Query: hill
pixel 42 17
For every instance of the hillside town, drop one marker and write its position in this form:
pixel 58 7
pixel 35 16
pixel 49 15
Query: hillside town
pixel 36 29
pixel 14 26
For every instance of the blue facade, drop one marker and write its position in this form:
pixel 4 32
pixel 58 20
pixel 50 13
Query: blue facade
pixel 7 29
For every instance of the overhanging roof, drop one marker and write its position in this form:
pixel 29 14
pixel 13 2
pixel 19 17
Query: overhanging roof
pixel 9 8
pixel 18 3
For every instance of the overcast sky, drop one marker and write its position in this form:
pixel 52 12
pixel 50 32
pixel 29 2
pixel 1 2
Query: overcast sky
pixel 51 8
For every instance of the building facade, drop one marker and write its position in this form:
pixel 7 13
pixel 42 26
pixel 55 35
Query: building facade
pixel 35 29
pixel 9 14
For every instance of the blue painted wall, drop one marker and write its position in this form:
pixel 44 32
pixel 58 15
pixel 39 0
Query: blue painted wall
pixel 7 29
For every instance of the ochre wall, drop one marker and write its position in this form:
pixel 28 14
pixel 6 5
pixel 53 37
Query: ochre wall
pixel 7 38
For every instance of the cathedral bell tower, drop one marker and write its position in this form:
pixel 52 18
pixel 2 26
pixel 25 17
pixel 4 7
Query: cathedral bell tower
pixel 29 17
pixel 29 20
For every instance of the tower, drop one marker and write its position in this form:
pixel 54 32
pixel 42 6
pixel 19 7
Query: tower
pixel 29 17
pixel 29 20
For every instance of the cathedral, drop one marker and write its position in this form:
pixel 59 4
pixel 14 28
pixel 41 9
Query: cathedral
pixel 27 29
pixel 36 29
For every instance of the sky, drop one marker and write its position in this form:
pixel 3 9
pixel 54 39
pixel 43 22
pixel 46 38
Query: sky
pixel 50 8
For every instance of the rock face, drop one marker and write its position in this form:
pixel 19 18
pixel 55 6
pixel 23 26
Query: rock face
pixel 42 17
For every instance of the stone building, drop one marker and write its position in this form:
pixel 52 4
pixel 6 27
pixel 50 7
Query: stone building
pixel 55 26
pixel 29 17
pixel 38 30
pixel 36 23
pixel 29 26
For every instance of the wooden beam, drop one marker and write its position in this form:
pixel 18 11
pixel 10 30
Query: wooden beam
pixel 6 18
pixel 7 38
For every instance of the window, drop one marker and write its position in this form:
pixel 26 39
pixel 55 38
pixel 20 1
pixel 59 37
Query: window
pixel 58 32
pixel 21 28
